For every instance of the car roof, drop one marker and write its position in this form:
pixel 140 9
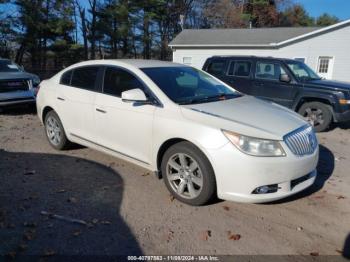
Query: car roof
pixel 138 63
pixel 252 57
pixel 141 63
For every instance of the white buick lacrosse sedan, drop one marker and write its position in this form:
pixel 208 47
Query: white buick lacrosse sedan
pixel 201 136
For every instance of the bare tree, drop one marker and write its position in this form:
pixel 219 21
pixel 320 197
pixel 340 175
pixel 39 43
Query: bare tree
pixel 84 29
pixel 92 28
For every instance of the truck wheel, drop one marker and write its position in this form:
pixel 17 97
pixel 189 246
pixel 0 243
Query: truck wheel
pixel 318 114
pixel 188 174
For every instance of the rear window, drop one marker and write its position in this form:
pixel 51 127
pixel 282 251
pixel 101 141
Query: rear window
pixel 66 77
pixel 216 67
pixel 85 77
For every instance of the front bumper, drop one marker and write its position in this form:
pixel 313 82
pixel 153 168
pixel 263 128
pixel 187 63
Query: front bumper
pixel 238 175
pixel 16 98
pixel 342 117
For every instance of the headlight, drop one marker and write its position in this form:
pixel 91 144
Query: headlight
pixel 255 146
pixel 344 102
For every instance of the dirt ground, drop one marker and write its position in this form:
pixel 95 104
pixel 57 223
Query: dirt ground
pixel 123 209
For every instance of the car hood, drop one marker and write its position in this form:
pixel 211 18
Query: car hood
pixel 330 84
pixel 15 75
pixel 246 115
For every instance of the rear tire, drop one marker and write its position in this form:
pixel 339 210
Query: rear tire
pixel 318 114
pixel 188 174
pixel 55 132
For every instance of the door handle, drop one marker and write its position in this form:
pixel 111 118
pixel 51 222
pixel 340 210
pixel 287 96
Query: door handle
pixel 60 98
pixel 101 111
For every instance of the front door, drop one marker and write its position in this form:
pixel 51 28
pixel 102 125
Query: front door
pixel 123 127
pixel 267 84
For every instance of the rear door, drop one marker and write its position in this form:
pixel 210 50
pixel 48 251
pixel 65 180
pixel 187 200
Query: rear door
pixel 267 84
pixel 239 76
pixel 76 96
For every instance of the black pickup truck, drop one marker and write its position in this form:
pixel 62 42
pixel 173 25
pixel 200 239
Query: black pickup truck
pixel 287 82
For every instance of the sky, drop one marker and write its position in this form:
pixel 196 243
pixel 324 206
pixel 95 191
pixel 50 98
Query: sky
pixel 339 8
pixel 315 8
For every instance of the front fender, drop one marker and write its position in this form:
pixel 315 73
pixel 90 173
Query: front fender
pixel 309 96
pixel 168 128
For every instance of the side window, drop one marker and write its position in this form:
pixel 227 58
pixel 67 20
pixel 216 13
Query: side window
pixel 117 81
pixel 242 68
pixel 231 69
pixel 216 67
pixel 298 70
pixel 85 77
pixel 66 77
pixel 269 71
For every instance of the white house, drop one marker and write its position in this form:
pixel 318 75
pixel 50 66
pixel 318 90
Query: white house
pixel 326 49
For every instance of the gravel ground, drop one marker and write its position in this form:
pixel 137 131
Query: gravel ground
pixel 83 202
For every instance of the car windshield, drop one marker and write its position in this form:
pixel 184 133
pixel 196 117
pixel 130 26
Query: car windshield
pixel 302 71
pixel 187 85
pixel 8 66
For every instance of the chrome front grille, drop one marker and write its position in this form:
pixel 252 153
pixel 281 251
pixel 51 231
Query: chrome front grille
pixel 302 141
pixel 14 85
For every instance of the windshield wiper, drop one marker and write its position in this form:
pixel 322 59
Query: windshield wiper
pixel 217 97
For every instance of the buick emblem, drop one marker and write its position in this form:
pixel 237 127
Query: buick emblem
pixel 312 140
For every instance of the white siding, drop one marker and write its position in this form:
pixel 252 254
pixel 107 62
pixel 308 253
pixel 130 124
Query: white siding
pixel 335 44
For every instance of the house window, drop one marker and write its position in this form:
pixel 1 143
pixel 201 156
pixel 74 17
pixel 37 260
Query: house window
pixel 323 65
pixel 300 59
pixel 187 60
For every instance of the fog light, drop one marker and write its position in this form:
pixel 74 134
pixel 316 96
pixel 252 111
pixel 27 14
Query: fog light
pixel 266 189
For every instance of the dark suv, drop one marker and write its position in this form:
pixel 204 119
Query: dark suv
pixel 287 82
pixel 16 85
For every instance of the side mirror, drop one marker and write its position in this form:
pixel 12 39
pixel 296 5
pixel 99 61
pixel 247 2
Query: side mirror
pixel 134 95
pixel 285 78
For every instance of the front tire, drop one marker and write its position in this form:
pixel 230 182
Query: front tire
pixel 318 114
pixel 55 132
pixel 188 174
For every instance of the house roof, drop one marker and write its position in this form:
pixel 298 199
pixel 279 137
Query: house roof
pixel 256 37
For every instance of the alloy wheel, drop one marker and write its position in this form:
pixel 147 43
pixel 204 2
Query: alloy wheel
pixel 53 130
pixel 314 116
pixel 184 175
